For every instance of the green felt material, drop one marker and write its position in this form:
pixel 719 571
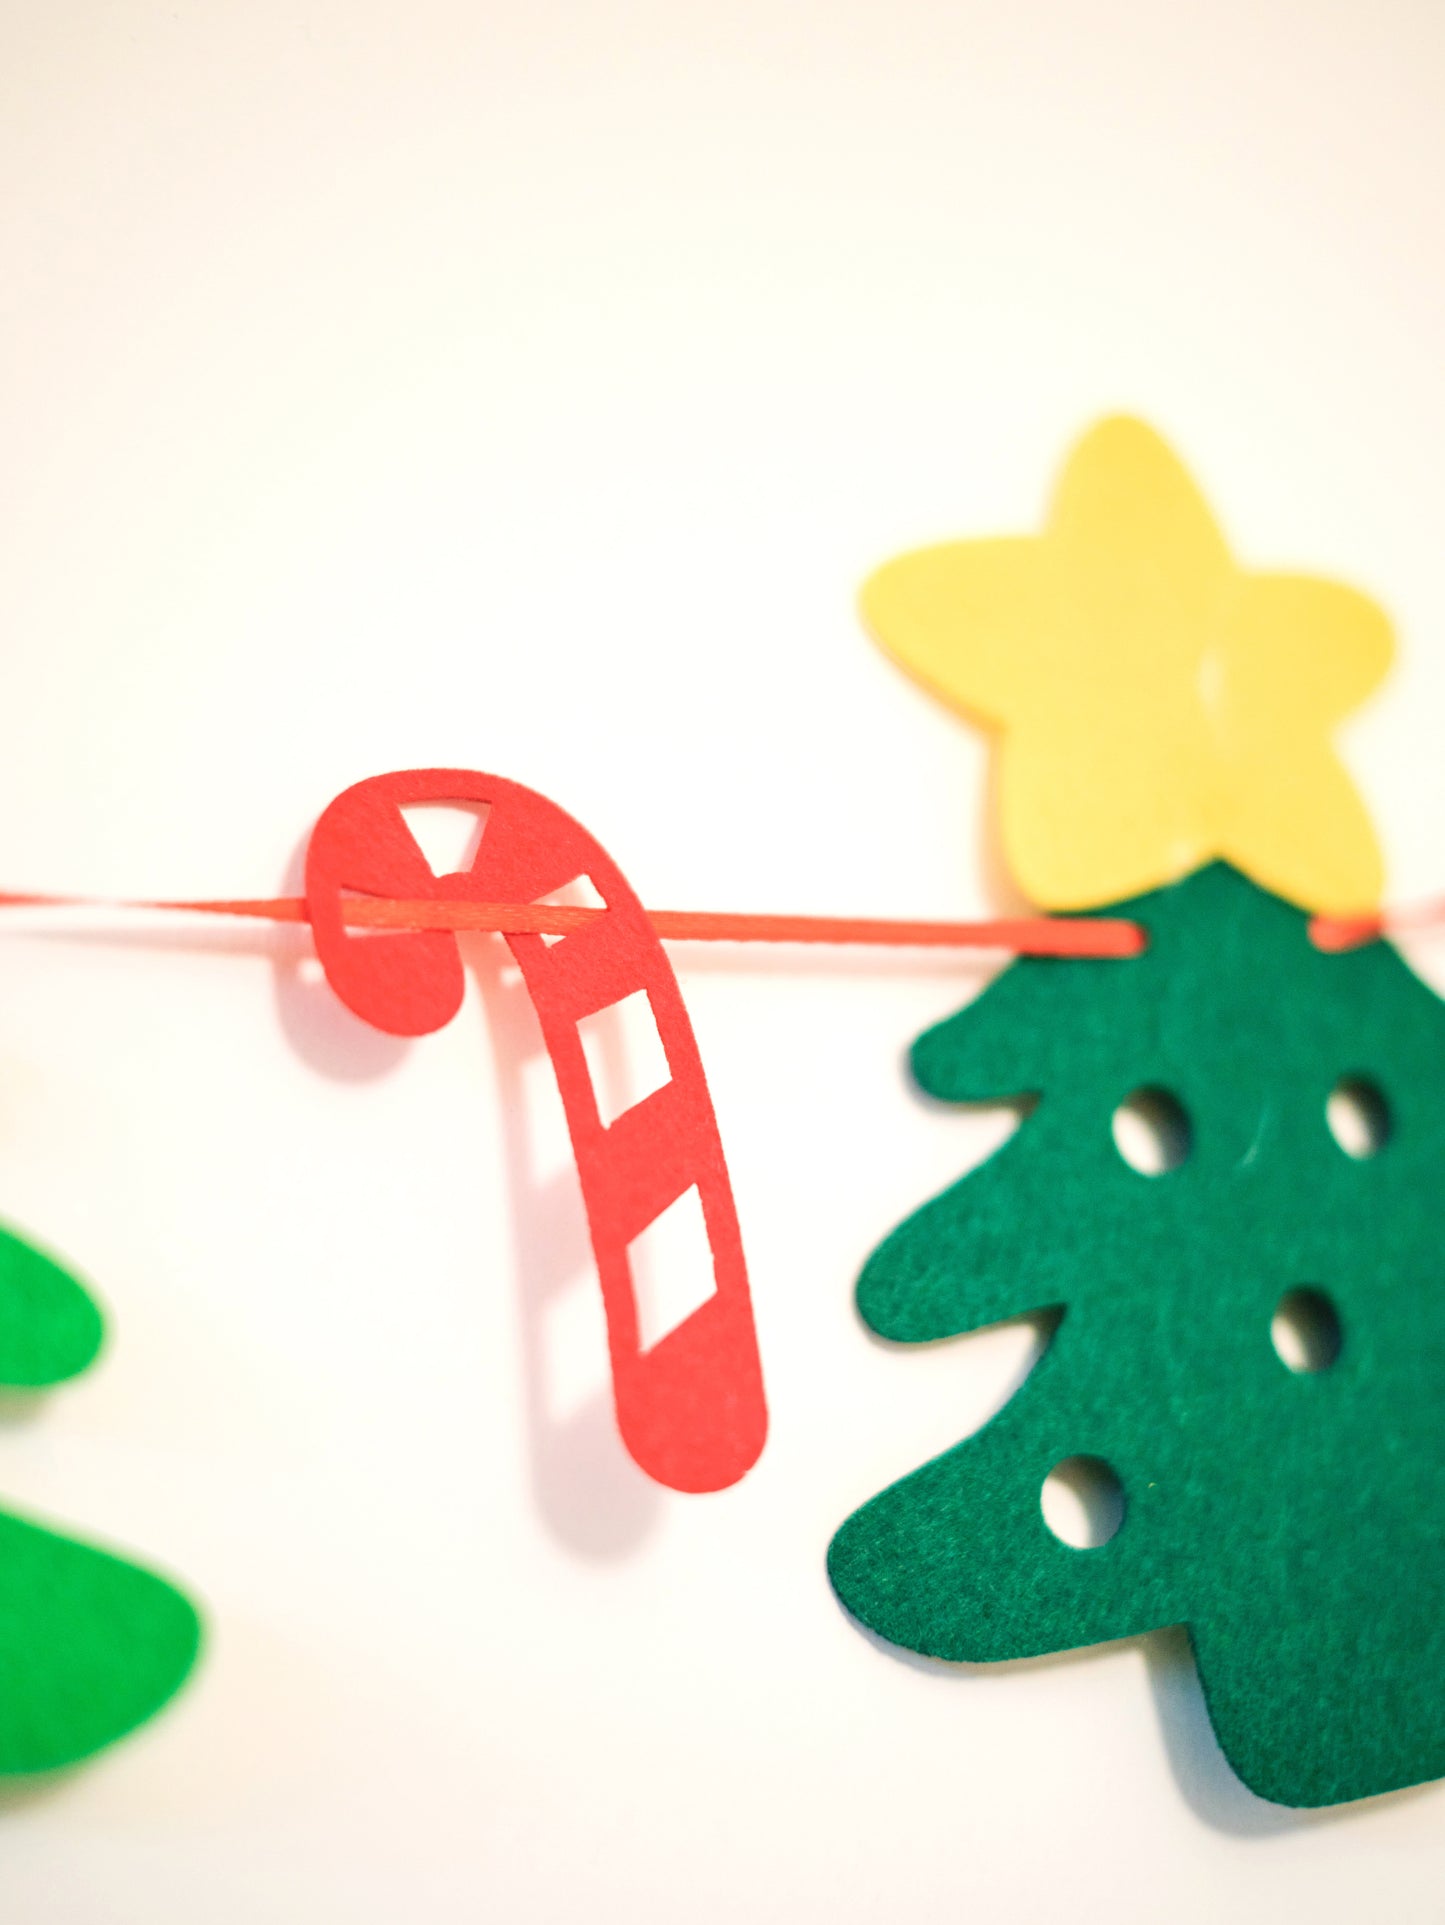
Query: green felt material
pixel 90 1645
pixel 1294 1522
pixel 50 1328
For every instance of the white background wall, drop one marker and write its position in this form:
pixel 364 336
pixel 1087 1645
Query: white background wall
pixel 530 388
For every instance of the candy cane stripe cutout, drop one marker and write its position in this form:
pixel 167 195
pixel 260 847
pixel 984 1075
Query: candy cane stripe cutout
pixel 691 1408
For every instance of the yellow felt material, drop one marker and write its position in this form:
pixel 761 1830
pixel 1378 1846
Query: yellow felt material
pixel 1156 705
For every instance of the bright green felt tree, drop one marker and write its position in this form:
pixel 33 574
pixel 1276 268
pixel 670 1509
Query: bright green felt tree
pixel 1294 1521
pixel 90 1645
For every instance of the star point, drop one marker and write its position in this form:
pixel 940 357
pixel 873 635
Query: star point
pixel 1155 704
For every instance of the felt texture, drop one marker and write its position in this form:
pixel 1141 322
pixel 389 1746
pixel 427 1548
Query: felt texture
pixel 50 1328
pixel 1294 1523
pixel 90 1645
pixel 690 1408
pixel 1156 705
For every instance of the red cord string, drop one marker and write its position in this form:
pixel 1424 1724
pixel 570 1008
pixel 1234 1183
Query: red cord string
pixel 1024 935
pixel 1097 937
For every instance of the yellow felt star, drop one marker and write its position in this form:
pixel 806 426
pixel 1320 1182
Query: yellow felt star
pixel 1156 704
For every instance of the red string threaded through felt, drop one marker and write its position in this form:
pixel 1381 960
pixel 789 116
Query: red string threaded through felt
pixel 1064 936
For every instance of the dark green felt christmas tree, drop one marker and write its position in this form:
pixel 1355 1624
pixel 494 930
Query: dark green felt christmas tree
pixel 1293 1520
pixel 90 1645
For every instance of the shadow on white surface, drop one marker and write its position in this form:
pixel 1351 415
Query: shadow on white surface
pixel 1206 1782
pixel 588 1491
pixel 269 1712
pixel 322 1030
pixel 35 1789
pixel 314 1020
pixel 19 1407
pixel 1200 1767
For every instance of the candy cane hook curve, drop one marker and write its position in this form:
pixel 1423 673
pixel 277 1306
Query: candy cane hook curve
pixel 691 1408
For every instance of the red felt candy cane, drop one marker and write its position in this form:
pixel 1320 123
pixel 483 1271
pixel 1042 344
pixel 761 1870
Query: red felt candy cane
pixel 691 1408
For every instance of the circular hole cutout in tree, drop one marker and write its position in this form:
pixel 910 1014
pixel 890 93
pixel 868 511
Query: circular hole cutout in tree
pixel 1083 1502
pixel 1152 1132
pixel 1358 1116
pixel 1306 1332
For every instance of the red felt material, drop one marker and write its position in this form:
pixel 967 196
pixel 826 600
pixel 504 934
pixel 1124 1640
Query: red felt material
pixel 691 1410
